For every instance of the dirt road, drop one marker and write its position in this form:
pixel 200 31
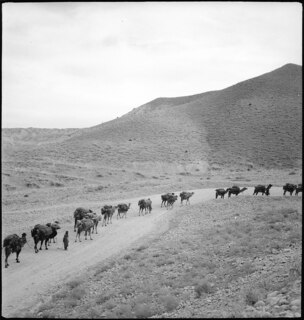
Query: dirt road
pixel 24 284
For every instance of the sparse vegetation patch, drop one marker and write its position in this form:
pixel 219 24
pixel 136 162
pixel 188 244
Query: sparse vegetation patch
pixel 194 263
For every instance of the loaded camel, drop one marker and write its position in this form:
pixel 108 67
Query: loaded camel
pixel 263 189
pixel 145 204
pixel 13 243
pixel 107 212
pixel 43 233
pixel 85 225
pixel 186 196
pixel 165 198
pixel 235 190
pixel 298 189
pixel 289 187
pixel 122 208
pixel 220 193
pixel 170 201
pixel 79 214
pixel 93 216
pixel 55 236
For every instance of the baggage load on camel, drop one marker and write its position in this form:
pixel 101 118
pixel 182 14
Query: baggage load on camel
pixel 123 206
pixel 90 215
pixel 44 229
pixel 11 240
pixel 86 221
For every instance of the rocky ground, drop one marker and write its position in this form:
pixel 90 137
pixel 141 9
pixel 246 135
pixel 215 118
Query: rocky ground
pixel 238 257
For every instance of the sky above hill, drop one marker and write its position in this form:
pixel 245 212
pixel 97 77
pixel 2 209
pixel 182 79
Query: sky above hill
pixel 78 64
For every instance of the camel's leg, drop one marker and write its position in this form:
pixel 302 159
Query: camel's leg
pixel 46 243
pixel 77 236
pixel 17 256
pixel 7 253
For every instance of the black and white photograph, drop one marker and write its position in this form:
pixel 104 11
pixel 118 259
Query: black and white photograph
pixel 151 159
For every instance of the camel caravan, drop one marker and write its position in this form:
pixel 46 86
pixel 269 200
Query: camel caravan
pixel 86 221
pixel 263 189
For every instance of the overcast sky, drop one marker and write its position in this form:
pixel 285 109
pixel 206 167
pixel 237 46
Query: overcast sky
pixel 76 65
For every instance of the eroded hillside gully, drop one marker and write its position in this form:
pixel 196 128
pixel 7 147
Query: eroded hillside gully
pixel 25 284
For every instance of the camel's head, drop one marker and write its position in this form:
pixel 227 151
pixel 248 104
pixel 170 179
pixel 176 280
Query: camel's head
pixel 55 226
pixel 23 239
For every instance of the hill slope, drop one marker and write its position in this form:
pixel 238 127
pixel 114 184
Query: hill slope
pixel 252 124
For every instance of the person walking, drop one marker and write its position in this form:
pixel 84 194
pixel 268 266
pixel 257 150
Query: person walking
pixel 66 240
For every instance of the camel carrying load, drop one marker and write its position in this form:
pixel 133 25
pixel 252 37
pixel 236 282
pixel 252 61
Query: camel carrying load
pixel 13 243
pixel 186 196
pixel 145 204
pixel 85 225
pixel 107 213
pixel 79 214
pixel 96 218
pixel 298 189
pixel 263 189
pixel 289 187
pixel 44 233
pixel 235 190
pixel 122 208
pixel 220 193
pixel 165 198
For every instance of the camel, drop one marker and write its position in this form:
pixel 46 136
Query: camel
pixel 171 200
pixel 55 237
pixel 122 208
pixel 186 196
pixel 165 198
pixel 93 216
pixel 86 225
pixel 263 189
pixel 43 233
pixel 221 193
pixel 289 187
pixel 79 214
pixel 145 204
pixel 235 190
pixel 107 212
pixel 13 243
pixel 298 189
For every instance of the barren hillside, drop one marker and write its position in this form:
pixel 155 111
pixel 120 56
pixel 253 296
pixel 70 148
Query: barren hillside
pixel 251 125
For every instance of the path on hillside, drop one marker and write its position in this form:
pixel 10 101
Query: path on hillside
pixel 24 284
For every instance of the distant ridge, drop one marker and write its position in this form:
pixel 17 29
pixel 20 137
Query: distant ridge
pixel 254 123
